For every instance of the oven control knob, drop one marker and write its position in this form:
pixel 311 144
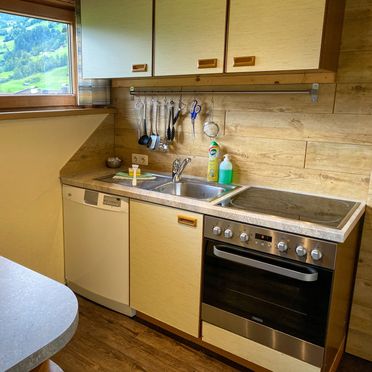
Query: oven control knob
pixel 301 251
pixel 282 246
pixel 228 233
pixel 244 237
pixel 316 254
pixel 216 230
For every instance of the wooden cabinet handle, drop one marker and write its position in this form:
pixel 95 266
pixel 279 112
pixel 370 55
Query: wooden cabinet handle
pixel 186 220
pixel 244 61
pixel 207 63
pixel 142 67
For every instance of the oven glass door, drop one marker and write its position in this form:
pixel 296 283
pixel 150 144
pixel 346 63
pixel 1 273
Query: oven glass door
pixel 282 294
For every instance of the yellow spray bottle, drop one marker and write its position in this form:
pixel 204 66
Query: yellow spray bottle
pixel 213 160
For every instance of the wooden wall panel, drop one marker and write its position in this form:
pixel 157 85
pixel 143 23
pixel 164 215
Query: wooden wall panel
pixel 339 157
pixel 355 67
pixel 278 103
pixel 321 128
pixel 365 264
pixel 354 99
pixel 92 154
pixel 265 151
pixel 354 94
pixel 357 30
pixel 360 330
pixel 359 340
pixel 304 180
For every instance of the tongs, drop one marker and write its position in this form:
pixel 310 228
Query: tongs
pixel 173 118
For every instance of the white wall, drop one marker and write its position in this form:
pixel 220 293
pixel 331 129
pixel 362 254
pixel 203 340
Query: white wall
pixel 32 153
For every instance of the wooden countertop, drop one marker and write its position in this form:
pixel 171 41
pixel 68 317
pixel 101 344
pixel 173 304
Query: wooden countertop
pixel 88 180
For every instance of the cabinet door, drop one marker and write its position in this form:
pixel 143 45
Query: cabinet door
pixel 280 35
pixel 189 36
pixel 165 264
pixel 116 38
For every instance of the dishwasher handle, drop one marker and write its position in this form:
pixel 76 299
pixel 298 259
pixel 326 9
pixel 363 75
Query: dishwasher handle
pixel 293 274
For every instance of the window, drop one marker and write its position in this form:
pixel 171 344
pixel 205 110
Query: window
pixel 37 62
pixel 34 56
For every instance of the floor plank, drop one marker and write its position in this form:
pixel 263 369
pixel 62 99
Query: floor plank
pixel 108 341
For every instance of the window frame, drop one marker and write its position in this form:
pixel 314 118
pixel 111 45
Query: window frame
pixel 51 13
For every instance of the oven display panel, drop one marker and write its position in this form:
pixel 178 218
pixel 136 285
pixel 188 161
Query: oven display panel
pixel 265 238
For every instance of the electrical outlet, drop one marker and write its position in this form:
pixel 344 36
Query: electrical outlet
pixel 140 159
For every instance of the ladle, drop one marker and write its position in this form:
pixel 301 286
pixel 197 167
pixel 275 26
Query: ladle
pixel 144 139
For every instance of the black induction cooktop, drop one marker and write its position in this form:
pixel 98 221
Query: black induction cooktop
pixel 310 208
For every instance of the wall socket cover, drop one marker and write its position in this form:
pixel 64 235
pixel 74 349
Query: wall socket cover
pixel 140 159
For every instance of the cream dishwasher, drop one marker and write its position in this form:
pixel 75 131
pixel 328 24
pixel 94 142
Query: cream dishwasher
pixel 96 240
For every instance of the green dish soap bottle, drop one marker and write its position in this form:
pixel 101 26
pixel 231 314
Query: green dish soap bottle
pixel 226 171
pixel 213 158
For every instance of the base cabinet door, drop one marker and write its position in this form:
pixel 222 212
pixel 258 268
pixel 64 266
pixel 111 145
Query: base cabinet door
pixel 165 264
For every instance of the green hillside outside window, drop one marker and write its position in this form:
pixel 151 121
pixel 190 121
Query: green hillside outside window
pixel 35 56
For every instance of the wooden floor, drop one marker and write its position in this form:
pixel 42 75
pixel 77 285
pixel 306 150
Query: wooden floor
pixel 108 341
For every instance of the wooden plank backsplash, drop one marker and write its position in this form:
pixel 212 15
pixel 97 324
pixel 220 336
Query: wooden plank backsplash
pixel 285 141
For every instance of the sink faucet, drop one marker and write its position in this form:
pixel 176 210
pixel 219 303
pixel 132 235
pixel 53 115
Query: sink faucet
pixel 178 167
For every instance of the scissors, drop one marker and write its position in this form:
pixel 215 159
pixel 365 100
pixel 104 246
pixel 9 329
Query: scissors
pixel 195 109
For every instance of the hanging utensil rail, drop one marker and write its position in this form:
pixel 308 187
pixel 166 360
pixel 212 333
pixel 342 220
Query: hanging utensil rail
pixel 313 91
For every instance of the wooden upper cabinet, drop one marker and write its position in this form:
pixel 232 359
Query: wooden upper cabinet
pixel 266 35
pixel 189 36
pixel 116 38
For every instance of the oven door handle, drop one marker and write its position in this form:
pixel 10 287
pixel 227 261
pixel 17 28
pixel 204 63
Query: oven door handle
pixel 310 277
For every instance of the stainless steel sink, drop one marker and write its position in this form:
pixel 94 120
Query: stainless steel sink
pixel 194 189
pixel 189 188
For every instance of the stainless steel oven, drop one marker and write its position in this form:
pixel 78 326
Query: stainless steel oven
pixel 289 292
pixel 256 287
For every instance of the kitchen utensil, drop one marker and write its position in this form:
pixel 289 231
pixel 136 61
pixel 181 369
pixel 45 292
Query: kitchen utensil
pixel 179 109
pixel 152 142
pixel 195 109
pixel 210 127
pixel 149 122
pixel 177 116
pixel 157 118
pixel 169 126
pixel 174 120
pixel 113 162
pixel 140 177
pixel 139 107
pixel 144 139
pixel 163 145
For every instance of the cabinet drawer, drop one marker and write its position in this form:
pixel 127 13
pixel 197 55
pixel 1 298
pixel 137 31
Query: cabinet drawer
pixel 253 351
